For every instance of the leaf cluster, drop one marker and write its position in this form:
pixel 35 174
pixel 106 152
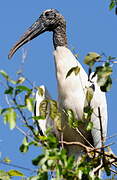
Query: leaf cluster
pixel 54 162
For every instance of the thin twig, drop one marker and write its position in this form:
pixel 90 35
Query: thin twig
pixel 101 128
pixel 113 171
pixel 102 138
pixel 24 133
pixel 24 118
pixel 84 137
pixel 108 145
pixel 114 165
pixel 114 135
pixel 38 127
pixel 79 144
pixel 17 166
pixel 62 144
pixel 90 149
pixel 98 168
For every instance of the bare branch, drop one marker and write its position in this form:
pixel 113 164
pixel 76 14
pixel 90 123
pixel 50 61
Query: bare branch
pixel 84 137
pixel 98 168
pixel 88 149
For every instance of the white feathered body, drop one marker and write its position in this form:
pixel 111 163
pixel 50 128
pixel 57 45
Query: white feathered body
pixel 72 94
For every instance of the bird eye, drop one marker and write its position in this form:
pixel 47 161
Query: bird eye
pixel 47 14
pixel 54 15
pixel 50 14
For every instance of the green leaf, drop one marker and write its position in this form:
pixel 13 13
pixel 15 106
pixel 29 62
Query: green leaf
pixel 21 106
pixel 23 148
pixel 9 90
pixel 107 169
pixel 23 88
pixel 51 162
pixel 29 103
pixel 6 160
pixel 36 118
pixel 89 94
pixel 58 171
pixel 103 77
pixel 52 141
pixel 4 110
pixel 89 126
pixel 112 5
pixel 4 175
pixel 104 71
pixel 43 109
pixel 34 178
pixel 88 110
pixel 40 91
pixel 10 117
pixel 74 70
pixel 70 162
pixel 25 141
pixel 12 81
pixel 15 173
pixel 35 143
pixel 53 109
pixel 42 176
pixel 91 58
pixel 37 160
pixel 20 80
pixel 25 145
pixel 71 117
pixel 77 70
pixel 57 121
pixel 107 86
pixel 4 74
pixel 44 166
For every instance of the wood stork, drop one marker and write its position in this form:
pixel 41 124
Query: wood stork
pixel 71 90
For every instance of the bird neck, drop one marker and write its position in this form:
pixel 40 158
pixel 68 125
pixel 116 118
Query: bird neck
pixel 59 36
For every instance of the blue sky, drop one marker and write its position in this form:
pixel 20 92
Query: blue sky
pixel 90 27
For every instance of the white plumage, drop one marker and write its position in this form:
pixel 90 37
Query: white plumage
pixel 72 94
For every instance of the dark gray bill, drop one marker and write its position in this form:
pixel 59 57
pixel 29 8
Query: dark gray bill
pixel 36 29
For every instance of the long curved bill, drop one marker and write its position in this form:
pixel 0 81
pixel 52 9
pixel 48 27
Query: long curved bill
pixel 36 29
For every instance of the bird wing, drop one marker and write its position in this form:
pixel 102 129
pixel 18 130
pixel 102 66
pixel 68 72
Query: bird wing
pixel 99 102
pixel 47 122
pixel 41 94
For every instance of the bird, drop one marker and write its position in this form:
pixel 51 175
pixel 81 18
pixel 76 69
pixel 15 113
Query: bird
pixel 71 90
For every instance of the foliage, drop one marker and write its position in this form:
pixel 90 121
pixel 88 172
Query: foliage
pixel 54 160
pixel 112 5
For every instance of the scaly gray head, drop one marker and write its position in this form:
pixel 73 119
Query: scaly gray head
pixel 50 20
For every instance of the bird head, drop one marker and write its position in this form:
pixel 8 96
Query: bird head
pixel 49 20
